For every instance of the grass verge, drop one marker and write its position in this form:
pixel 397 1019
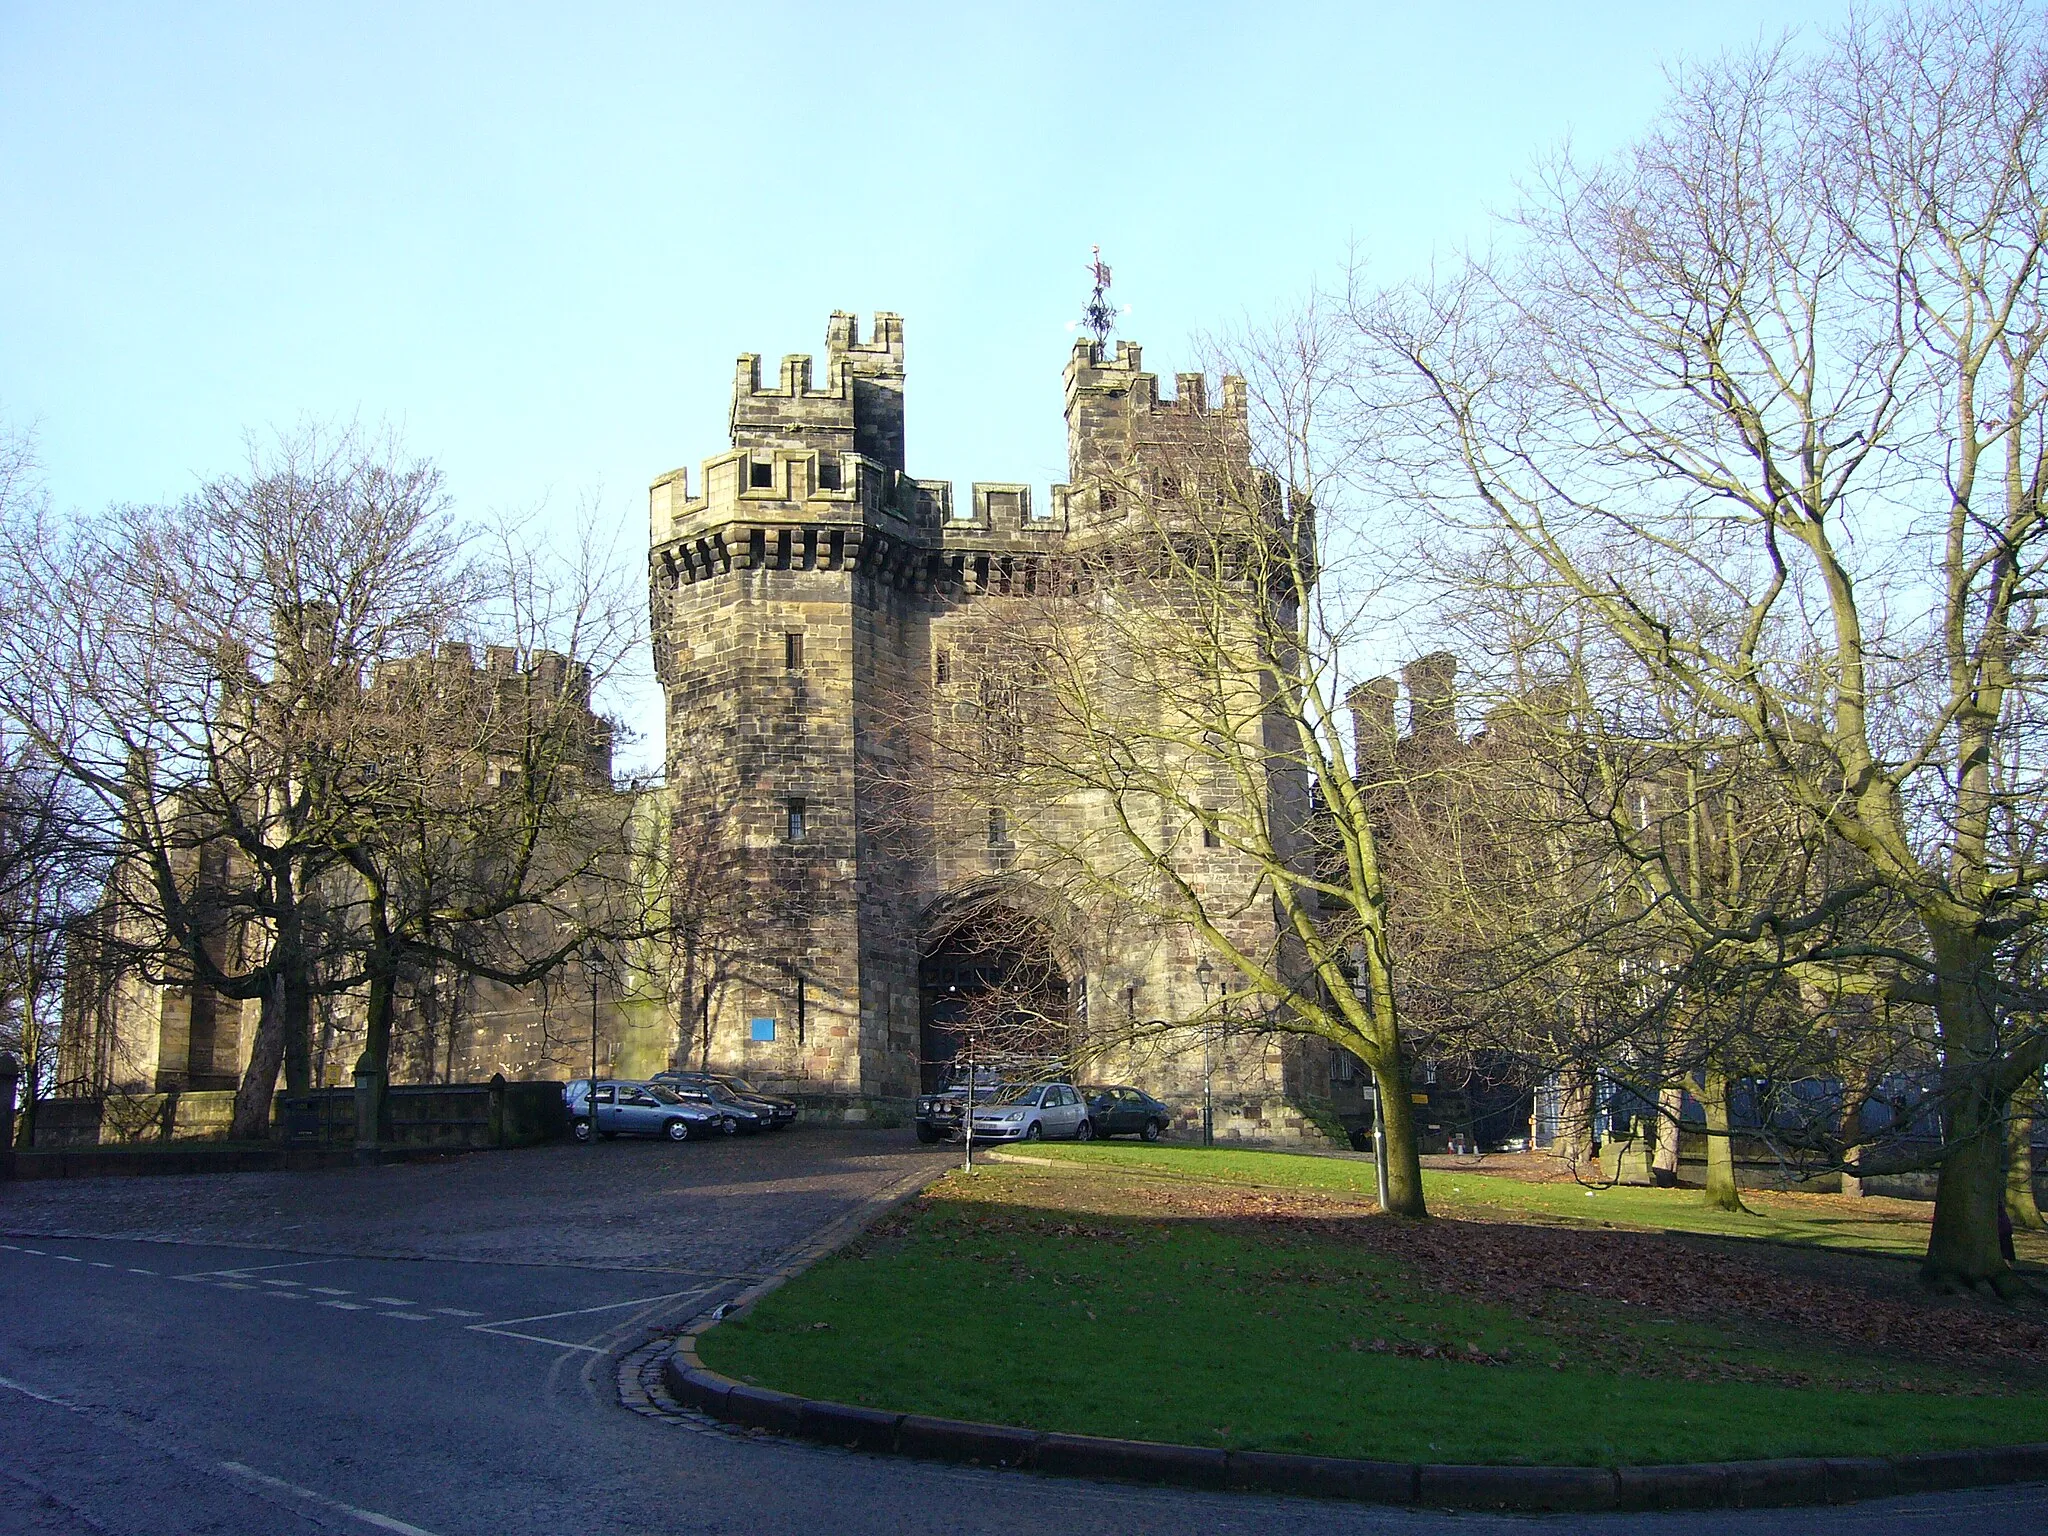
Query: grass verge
pixel 1221 1301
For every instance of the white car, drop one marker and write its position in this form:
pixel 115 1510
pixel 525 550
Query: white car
pixel 1043 1111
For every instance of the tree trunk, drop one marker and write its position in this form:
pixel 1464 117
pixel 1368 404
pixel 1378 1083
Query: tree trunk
pixel 1670 1122
pixel 1396 1112
pixel 259 1081
pixel 377 1045
pixel 1574 1144
pixel 1852 1128
pixel 1962 1243
pixel 1722 1194
pixel 298 1040
pixel 2019 1169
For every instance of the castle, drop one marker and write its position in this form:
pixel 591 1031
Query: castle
pixel 808 596
pixel 814 608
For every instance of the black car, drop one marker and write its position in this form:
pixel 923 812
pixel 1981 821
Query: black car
pixel 1121 1111
pixel 776 1112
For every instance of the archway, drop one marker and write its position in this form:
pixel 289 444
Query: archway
pixel 992 978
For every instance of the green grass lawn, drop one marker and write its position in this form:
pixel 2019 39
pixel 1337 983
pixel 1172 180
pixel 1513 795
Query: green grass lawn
pixel 1108 1300
pixel 1893 1227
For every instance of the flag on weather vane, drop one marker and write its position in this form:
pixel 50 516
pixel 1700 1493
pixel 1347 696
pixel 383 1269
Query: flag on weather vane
pixel 1099 316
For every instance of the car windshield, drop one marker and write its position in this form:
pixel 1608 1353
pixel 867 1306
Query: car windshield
pixel 738 1084
pixel 663 1095
pixel 1019 1095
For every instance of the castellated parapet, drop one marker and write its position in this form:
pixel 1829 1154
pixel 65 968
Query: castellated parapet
pixel 808 596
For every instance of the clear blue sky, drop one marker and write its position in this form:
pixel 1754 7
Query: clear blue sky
pixel 537 236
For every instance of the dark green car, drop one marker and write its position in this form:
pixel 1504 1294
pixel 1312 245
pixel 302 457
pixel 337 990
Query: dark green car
pixel 1123 1111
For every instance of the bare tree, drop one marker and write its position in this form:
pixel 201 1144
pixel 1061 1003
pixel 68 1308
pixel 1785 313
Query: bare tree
pixel 1787 350
pixel 1157 721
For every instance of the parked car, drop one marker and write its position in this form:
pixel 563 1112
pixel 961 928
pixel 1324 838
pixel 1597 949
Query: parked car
pixel 634 1109
pixel 738 1114
pixel 781 1111
pixel 1122 1111
pixel 1050 1111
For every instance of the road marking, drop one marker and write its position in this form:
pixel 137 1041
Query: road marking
pixel 41 1397
pixel 390 1301
pixel 69 1259
pixel 234 1285
pixel 457 1312
pixel 328 1290
pixel 344 1306
pixel 535 1338
pixel 273 1280
pixel 97 1264
pixel 36 1251
pixel 245 1271
pixel 367 1516
pixel 134 1271
pixel 610 1306
pixel 233 1468
pixel 410 1317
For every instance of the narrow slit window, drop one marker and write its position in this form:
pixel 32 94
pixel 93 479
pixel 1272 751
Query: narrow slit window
pixel 998 826
pixel 792 652
pixel 1211 838
pixel 942 666
pixel 796 819
pixel 761 474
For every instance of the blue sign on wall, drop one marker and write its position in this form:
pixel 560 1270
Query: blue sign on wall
pixel 764 1029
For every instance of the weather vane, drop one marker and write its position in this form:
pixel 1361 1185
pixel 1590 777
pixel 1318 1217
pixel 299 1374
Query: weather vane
pixel 1099 316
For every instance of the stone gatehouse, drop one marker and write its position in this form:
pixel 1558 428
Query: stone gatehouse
pixel 808 594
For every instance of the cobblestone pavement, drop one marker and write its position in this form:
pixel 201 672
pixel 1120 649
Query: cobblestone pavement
pixel 727 1205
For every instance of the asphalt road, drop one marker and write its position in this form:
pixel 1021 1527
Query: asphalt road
pixel 439 1349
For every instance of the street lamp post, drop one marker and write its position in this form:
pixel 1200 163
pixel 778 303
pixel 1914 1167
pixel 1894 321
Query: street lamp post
pixel 595 964
pixel 1206 974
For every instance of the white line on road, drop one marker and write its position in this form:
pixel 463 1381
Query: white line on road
pixel 70 1258
pixel 243 1271
pixel 150 1272
pixel 234 1468
pixel 345 1306
pixel 457 1312
pixel 367 1516
pixel 391 1301
pixel 610 1306
pixel 535 1338
pixel 410 1317
pixel 329 1290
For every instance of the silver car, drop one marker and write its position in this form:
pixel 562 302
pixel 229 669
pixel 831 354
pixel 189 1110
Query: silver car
pixel 1042 1111
pixel 635 1109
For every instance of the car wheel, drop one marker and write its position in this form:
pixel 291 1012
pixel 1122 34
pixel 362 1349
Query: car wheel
pixel 727 1126
pixel 927 1135
pixel 580 1129
pixel 1085 1131
pixel 1034 1131
pixel 1153 1130
pixel 678 1130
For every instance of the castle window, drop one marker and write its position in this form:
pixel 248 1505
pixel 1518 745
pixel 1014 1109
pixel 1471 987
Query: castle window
pixel 1105 498
pixel 796 819
pixel 998 826
pixel 942 666
pixel 761 1030
pixel 792 652
pixel 761 474
pixel 828 473
pixel 1211 838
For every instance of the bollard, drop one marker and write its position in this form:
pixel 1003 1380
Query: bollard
pixel 9 1092
pixel 366 1110
pixel 10 1083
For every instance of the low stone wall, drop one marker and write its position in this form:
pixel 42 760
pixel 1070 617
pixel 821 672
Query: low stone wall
pixel 454 1116
pixel 133 1119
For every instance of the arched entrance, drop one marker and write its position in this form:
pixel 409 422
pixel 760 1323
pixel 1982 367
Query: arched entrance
pixel 992 979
